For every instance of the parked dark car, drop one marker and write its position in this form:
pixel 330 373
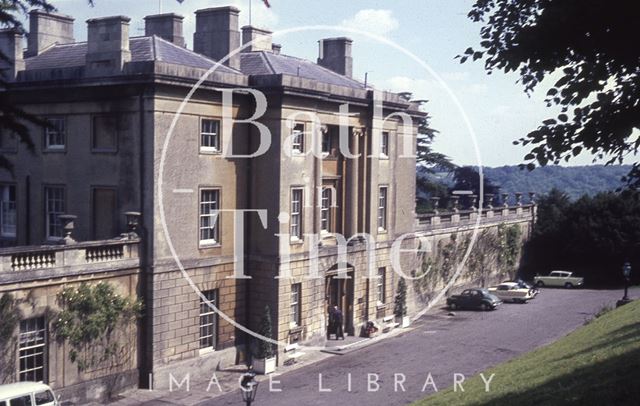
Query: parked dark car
pixel 473 299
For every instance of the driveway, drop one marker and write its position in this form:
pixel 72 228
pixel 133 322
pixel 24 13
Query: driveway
pixel 438 344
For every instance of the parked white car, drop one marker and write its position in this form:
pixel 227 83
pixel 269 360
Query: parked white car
pixel 27 394
pixel 512 292
pixel 559 278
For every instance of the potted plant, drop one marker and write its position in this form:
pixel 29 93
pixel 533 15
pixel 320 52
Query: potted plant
pixel 400 308
pixel 264 361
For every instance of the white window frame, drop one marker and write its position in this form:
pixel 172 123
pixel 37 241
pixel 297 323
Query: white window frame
pixel 209 210
pixel 208 320
pixel 383 203
pixel 326 144
pixel 60 132
pixel 381 285
pixel 384 145
pixel 55 202
pixel 213 135
pixel 325 210
pixel 296 305
pixel 8 211
pixel 297 203
pixel 297 139
pixel 32 342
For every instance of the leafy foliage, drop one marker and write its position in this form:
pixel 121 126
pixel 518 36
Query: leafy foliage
pixel 265 348
pixel 10 316
pixel 592 236
pixel 400 301
pixel 89 322
pixel 586 43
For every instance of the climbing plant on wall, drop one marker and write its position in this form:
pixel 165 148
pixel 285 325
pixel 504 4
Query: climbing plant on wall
pixel 9 319
pixel 494 254
pixel 510 246
pixel 90 321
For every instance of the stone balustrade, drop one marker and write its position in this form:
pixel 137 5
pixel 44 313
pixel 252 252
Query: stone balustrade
pixel 23 263
pixel 460 218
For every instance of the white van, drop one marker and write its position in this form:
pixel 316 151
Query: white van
pixel 27 394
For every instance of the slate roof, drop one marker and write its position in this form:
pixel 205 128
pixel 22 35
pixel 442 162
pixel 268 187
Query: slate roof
pixel 142 49
pixel 268 63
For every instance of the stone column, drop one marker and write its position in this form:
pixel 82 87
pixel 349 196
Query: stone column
pixel 473 199
pixel 435 202
pixel 488 200
pixel 352 186
pixel 455 200
pixel 505 199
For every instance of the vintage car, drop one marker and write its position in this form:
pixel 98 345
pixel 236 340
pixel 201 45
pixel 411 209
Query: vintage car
pixel 559 278
pixel 473 299
pixel 512 292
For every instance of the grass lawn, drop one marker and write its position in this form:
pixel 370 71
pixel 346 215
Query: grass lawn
pixel 598 364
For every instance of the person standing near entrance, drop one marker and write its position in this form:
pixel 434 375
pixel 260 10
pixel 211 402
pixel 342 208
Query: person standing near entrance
pixel 331 329
pixel 338 318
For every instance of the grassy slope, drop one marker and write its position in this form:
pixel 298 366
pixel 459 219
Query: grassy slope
pixel 598 364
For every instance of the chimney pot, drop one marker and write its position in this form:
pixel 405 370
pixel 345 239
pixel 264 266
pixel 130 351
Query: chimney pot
pixel 46 29
pixel 107 45
pixel 335 54
pixel 217 34
pixel 167 26
pixel 261 40
pixel 11 41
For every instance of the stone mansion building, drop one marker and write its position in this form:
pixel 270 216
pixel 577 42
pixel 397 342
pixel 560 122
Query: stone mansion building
pixel 114 142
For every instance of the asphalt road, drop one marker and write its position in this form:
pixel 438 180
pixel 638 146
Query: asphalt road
pixel 439 345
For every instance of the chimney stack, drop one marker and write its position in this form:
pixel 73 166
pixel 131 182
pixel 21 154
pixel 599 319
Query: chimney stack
pixel 11 48
pixel 335 54
pixel 217 34
pixel 261 40
pixel 166 26
pixel 107 45
pixel 46 29
pixel 276 48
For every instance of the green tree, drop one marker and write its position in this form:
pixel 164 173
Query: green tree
pixel 10 317
pixel 588 44
pixel 400 302
pixel 92 320
pixel 265 348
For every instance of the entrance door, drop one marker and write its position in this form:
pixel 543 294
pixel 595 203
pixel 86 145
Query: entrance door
pixel 339 292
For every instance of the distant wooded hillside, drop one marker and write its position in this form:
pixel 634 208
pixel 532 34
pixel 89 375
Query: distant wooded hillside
pixel 575 181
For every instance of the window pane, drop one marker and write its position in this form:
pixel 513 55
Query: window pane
pixel 382 208
pixel 384 144
pixel 55 134
pixel 296 304
pixel 8 211
pixel 210 135
pixel 296 213
pixel 54 207
pixel 42 398
pixel 209 215
pixel 297 139
pixel 31 344
pixel 208 320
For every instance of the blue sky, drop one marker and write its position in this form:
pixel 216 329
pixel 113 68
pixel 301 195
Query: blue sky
pixel 434 30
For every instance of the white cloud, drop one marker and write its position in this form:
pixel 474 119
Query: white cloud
pixel 378 21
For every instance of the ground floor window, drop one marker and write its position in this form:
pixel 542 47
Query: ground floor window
pixel 208 320
pixel 381 282
pixel 296 304
pixel 31 353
